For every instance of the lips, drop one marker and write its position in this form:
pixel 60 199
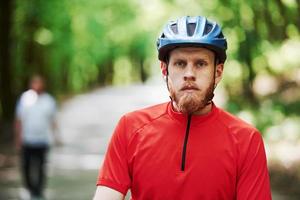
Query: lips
pixel 189 87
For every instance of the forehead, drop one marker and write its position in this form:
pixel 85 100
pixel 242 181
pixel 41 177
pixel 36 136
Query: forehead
pixel 37 80
pixel 191 52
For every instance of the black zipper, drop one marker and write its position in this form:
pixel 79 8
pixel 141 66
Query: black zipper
pixel 187 131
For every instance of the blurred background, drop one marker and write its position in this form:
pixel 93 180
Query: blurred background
pixel 100 60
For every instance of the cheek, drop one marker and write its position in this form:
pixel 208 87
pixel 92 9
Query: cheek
pixel 205 78
pixel 202 81
pixel 176 80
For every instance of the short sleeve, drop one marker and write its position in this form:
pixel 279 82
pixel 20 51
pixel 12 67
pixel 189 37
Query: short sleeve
pixel 114 172
pixel 253 180
pixel 53 107
pixel 18 110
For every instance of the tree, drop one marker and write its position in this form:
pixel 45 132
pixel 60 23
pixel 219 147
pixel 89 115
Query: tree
pixel 7 96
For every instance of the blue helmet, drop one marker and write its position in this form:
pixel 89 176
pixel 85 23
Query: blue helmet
pixel 192 31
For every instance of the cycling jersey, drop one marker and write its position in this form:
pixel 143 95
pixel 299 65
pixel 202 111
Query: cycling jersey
pixel 160 154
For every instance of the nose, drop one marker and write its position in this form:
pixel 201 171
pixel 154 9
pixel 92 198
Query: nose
pixel 189 74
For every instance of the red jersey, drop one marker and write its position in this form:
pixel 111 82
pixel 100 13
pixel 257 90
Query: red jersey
pixel 160 154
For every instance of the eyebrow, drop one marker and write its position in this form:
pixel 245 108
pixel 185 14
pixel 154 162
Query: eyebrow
pixel 179 59
pixel 206 59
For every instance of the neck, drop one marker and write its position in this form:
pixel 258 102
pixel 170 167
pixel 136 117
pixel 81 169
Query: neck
pixel 39 92
pixel 204 110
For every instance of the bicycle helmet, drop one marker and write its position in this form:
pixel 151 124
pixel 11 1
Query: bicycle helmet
pixel 192 31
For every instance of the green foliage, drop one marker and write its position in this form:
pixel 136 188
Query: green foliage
pixel 81 44
pixel 76 43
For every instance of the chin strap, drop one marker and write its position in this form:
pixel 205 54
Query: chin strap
pixel 167 75
pixel 209 100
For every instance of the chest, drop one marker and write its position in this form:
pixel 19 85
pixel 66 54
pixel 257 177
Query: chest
pixel 208 156
pixel 41 108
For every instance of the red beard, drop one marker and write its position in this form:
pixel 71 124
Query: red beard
pixel 192 102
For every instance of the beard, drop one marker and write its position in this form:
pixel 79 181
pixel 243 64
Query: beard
pixel 190 103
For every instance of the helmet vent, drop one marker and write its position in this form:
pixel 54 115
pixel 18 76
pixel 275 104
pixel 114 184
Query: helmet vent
pixel 220 35
pixel 191 29
pixel 195 31
pixel 174 28
pixel 207 29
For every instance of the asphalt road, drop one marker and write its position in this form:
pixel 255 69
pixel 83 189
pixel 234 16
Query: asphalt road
pixel 86 123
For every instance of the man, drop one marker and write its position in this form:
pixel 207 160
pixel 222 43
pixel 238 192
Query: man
pixel 187 148
pixel 34 124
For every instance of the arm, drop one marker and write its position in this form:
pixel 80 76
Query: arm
pixel 18 126
pixel 106 193
pixel 253 179
pixel 114 175
pixel 56 133
pixel 54 126
pixel 18 132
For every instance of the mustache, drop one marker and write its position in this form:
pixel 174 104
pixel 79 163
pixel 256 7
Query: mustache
pixel 189 86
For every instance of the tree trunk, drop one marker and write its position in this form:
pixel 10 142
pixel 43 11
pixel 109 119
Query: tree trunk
pixel 283 13
pixel 246 55
pixel 143 73
pixel 106 72
pixel 7 97
pixel 272 31
pixel 298 14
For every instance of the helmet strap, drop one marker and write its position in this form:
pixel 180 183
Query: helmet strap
pixel 214 82
pixel 167 75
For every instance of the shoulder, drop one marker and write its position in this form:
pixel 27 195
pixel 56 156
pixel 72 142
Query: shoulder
pixel 236 126
pixel 149 113
pixel 27 94
pixel 48 97
pixel 244 135
pixel 139 118
pixel 27 98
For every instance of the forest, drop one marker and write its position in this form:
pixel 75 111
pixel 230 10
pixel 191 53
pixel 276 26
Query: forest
pixel 78 45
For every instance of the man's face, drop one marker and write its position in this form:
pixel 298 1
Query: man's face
pixel 192 78
pixel 37 84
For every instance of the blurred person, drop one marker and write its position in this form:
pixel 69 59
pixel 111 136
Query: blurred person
pixel 187 148
pixel 34 126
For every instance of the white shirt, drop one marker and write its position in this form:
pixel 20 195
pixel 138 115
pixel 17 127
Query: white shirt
pixel 36 113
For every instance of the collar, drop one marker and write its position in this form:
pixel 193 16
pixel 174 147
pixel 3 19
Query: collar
pixel 196 119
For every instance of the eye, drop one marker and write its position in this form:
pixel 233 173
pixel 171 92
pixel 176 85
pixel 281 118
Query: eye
pixel 179 63
pixel 201 63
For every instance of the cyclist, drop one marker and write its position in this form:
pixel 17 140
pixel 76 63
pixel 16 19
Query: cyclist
pixel 187 148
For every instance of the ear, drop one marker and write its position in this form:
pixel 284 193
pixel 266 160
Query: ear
pixel 163 67
pixel 219 72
